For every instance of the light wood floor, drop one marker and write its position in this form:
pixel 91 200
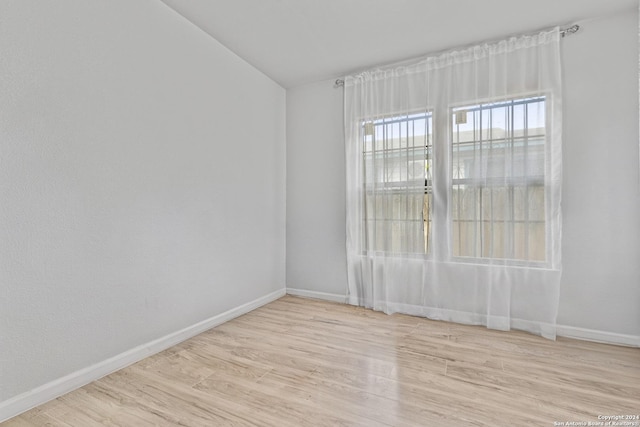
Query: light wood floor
pixel 300 362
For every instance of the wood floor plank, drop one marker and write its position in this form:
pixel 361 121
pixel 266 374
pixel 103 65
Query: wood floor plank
pixel 176 403
pixel 300 362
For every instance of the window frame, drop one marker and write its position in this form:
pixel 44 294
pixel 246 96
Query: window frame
pixel 442 144
pixel 426 113
pixel 476 260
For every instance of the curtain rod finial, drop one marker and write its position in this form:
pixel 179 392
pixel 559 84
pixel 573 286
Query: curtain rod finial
pixel 339 83
pixel 571 30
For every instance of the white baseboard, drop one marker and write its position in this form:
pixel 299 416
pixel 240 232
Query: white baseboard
pixel 40 395
pixel 561 331
pixel 25 401
pixel 317 295
pixel 598 336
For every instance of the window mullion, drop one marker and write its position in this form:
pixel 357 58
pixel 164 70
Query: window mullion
pixel 512 214
pixel 441 229
pixel 525 174
pixel 491 188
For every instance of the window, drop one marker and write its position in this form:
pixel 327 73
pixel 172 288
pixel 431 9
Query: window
pixel 498 166
pixel 496 191
pixel 397 167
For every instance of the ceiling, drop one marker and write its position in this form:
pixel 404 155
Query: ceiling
pixel 302 41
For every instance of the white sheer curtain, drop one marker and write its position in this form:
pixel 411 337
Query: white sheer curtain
pixel 453 185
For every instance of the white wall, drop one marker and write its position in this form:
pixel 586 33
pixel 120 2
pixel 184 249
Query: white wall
pixel 142 182
pixel 316 235
pixel 601 195
pixel 601 207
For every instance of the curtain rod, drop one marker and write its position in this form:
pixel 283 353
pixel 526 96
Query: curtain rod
pixel 564 32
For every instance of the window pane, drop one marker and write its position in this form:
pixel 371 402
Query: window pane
pixel 396 160
pixel 498 168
